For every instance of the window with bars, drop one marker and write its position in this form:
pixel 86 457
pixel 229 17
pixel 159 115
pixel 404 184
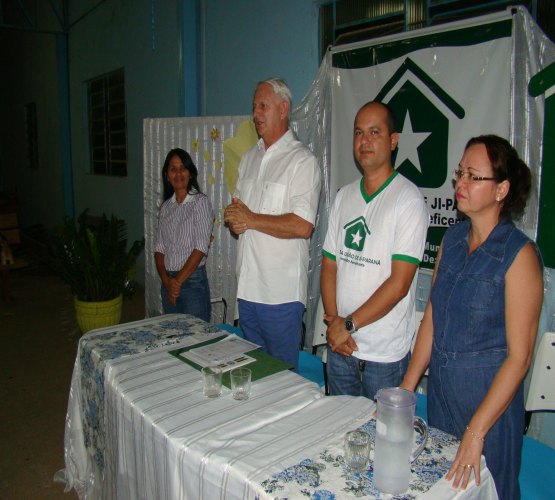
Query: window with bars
pixel 346 21
pixel 107 124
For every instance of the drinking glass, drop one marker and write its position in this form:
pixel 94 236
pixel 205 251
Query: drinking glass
pixel 241 383
pixel 212 379
pixel 357 450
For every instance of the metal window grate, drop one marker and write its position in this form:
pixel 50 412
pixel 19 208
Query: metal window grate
pixel 107 124
pixel 346 21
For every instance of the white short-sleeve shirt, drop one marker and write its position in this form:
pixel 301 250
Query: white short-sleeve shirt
pixel 365 233
pixel 283 179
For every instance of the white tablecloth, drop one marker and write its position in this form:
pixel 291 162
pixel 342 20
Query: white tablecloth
pixel 84 446
pixel 325 476
pixel 159 438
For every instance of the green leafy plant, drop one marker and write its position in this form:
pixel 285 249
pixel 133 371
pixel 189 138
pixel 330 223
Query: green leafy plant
pixel 93 258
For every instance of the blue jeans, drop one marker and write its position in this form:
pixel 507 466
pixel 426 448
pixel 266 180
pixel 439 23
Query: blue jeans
pixel 194 297
pixel 356 377
pixel 277 328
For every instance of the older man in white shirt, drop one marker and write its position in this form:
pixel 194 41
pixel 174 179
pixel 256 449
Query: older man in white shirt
pixel 273 211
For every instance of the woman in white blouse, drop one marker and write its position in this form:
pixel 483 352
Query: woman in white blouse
pixel 184 230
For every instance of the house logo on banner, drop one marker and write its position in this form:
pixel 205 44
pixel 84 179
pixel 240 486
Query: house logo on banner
pixel 424 111
pixel 419 103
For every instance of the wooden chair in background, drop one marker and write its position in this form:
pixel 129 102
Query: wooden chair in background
pixel 10 257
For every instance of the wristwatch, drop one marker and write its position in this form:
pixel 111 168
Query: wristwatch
pixel 350 325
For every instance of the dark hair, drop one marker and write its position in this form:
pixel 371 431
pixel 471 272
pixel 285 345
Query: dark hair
pixel 188 164
pixel 507 165
pixel 390 118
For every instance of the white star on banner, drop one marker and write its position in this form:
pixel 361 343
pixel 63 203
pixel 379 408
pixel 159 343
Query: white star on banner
pixel 408 144
pixel 356 238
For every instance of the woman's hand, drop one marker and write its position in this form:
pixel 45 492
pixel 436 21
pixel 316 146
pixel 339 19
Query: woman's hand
pixel 173 287
pixel 466 461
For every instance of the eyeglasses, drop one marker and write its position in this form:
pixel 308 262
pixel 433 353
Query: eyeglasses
pixel 470 177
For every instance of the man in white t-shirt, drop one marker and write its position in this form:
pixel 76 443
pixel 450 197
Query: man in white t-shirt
pixel 273 211
pixel 375 241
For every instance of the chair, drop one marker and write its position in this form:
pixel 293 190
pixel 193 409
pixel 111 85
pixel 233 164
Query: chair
pixel 231 329
pixel 541 393
pixel 536 473
pixel 10 259
pixel 536 477
pixel 312 368
pixel 421 406
pixel 423 384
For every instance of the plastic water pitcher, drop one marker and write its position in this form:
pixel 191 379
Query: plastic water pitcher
pixel 395 425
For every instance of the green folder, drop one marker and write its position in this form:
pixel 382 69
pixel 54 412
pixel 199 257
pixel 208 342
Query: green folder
pixel 263 366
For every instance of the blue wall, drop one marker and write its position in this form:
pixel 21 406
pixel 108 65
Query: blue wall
pixel 29 75
pixel 120 35
pixel 180 57
pixel 248 40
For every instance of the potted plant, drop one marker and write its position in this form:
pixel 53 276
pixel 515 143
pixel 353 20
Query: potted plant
pixel 92 258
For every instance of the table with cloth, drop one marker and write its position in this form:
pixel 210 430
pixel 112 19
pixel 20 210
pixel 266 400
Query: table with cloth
pixel 138 426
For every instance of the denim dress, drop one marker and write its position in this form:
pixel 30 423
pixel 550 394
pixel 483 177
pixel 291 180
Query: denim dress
pixel 469 344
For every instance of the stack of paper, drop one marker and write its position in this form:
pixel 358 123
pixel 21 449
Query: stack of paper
pixel 226 354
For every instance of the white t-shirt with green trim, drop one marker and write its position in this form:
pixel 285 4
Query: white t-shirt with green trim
pixel 365 233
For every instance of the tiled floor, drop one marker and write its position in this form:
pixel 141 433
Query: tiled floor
pixel 38 335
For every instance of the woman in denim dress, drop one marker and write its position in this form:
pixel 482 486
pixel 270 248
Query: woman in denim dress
pixel 480 325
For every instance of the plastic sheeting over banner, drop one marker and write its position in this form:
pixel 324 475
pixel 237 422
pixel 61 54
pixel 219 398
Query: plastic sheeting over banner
pixel 442 88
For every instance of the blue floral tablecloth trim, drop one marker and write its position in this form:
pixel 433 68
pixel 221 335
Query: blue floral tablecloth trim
pixel 97 349
pixel 326 476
